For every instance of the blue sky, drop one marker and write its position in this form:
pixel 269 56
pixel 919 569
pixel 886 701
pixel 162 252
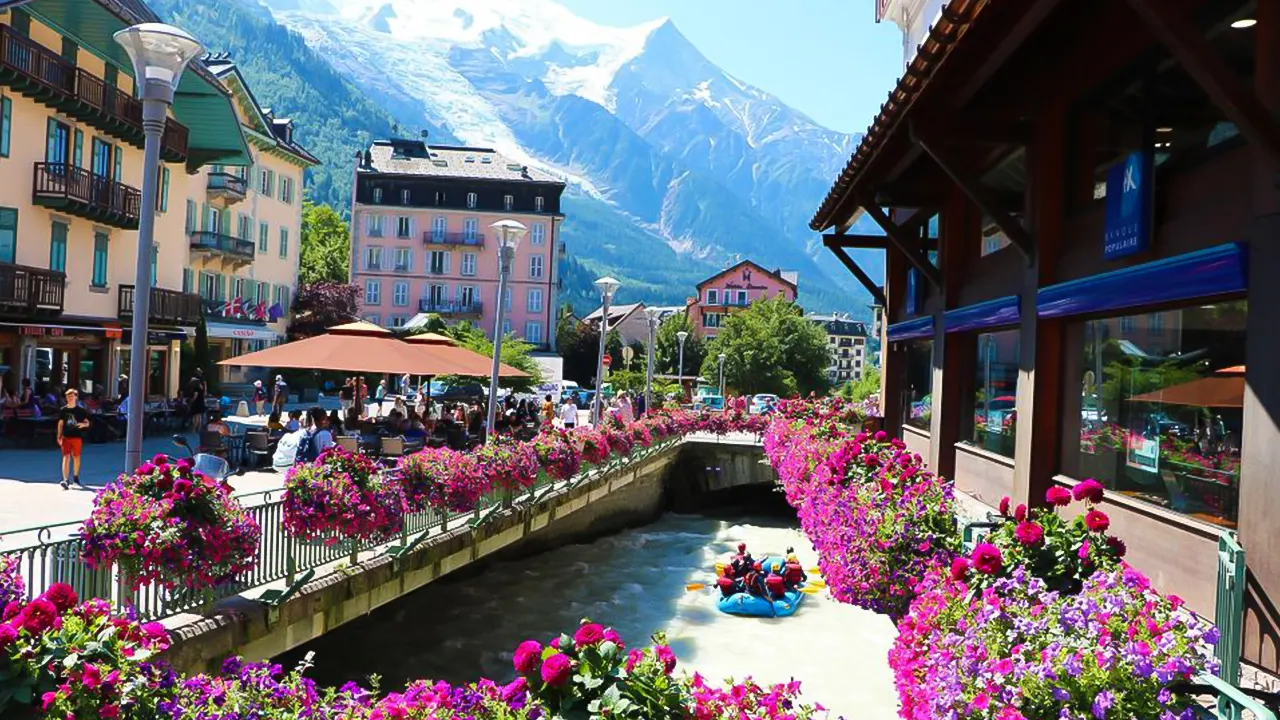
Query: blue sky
pixel 827 58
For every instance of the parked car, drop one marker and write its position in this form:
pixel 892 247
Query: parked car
pixel 708 402
pixel 762 401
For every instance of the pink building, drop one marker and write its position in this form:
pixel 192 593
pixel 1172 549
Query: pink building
pixel 733 289
pixel 420 237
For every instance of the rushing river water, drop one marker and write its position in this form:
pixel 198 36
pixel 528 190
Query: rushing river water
pixel 464 628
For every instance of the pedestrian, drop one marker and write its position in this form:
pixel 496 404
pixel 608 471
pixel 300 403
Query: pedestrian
pixel 380 395
pixel 259 398
pixel 281 394
pixel 73 420
pixel 346 396
pixel 122 386
pixel 569 413
pixel 548 411
pixel 197 390
pixel 362 396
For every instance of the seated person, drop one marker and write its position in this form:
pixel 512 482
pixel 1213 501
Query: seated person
pixel 793 573
pixel 217 425
pixel 775 585
pixel 413 428
pixel 335 422
pixel 295 421
pixel 728 586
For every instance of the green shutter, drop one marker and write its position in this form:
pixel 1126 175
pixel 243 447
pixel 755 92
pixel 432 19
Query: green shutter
pixel 58 247
pixel 109 76
pixel 8 234
pixel 69 50
pixel 119 156
pixel 164 189
pixel 100 249
pixel 78 150
pixel 6 124
pixel 284 242
pixel 191 216
pixel 155 265
pixel 187 277
pixel 21 22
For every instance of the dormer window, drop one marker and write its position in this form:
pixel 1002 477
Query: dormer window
pixel 471 200
pixel 538 204
pixel 404 197
pixel 507 202
pixel 377 196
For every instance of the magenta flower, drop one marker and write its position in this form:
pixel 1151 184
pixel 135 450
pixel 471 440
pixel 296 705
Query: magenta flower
pixel 986 558
pixel 1004 505
pixel 667 657
pixel 1097 521
pixel 1058 496
pixel 588 634
pixel 556 670
pixel 528 655
pixel 62 596
pixel 1029 534
pixel 959 568
pixel 1090 490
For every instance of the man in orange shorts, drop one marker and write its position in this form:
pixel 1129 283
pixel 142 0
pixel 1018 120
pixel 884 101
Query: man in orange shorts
pixel 73 422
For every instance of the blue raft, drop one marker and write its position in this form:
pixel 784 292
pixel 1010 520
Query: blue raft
pixel 750 605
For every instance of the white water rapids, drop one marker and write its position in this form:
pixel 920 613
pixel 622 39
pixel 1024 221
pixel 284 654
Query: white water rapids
pixel 634 581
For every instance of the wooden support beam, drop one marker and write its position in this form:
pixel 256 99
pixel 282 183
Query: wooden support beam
pixel 831 241
pixel 982 197
pixel 1175 30
pixel 908 244
pixel 877 292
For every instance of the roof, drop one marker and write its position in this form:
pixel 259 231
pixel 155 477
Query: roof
pixel 953 21
pixel 778 275
pixel 278 129
pixel 415 157
pixel 840 327
pixel 615 311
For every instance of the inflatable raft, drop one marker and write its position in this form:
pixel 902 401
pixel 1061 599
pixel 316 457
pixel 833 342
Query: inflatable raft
pixel 753 606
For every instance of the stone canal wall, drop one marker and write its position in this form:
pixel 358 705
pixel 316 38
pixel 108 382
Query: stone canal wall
pixel 636 494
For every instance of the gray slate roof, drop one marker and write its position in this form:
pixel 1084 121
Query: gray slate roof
pixel 410 157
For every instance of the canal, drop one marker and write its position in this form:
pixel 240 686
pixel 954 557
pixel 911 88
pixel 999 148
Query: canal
pixel 466 626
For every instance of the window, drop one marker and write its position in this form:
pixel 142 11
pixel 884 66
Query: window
pixel 535 266
pixel 208 285
pixel 192 221
pixel 100 161
pixel 742 297
pixel 404 197
pixel 282 297
pixel 711 320
pixel 507 202
pixel 101 244
pixel 397 321
pixel 1155 323
pixel 372 318
pixel 286 190
pixel 400 294
pixel 265 181
pixel 468 296
pixel 69 50
pixel 58 247
pixel 264 237
pixel 438 295
pixel 77 151
pixel 237 287
pixel 402 227
pixel 506 300
pixel 533 300
pixel 919 384
pixel 188 279
pixel 470 229
pixel 284 242
pixel 471 200
pixel 538 204
pixel 373 292
pixel 57 140
pixel 537 233
pixel 506 327
pixel 244 226
pixel 164 187
pixel 713 296
pixel 404 259
pixel 6 125
pixel 1128 323
pixel 264 292
pixel 533 333
pixel 8 234
pixel 377 196
pixel 995 393
pixel 439 262
pixel 373 258
pixel 1165 432
pixel 468 264
pixel 374 225
pixel 439 226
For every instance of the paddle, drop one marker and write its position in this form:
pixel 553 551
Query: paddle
pixel 694 586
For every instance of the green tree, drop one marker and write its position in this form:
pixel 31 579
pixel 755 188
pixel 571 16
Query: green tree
pixel 770 347
pixel 326 246
pixel 579 345
pixel 667 346
pixel 515 353
pixel 859 390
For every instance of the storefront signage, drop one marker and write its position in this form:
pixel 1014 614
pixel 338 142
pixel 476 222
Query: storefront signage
pixel 41 331
pixel 1129 193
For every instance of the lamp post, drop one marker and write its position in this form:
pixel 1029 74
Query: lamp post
pixel 681 336
pixel 160 54
pixel 607 287
pixel 652 315
pixel 509 233
pixel 721 358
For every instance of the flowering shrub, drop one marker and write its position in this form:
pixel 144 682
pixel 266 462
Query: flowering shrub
pixel 342 495
pixel 558 453
pixel 441 478
pixel 749 700
pixel 509 465
pixel 260 690
pixel 595 444
pixel 79 660
pixel 11 586
pixel 877 518
pixel 618 438
pixel 168 524
pixel 1022 650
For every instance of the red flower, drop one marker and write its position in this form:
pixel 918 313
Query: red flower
pixel 1029 534
pixel 556 670
pixel 1090 490
pixel 1117 546
pixel 1059 496
pixel 986 558
pixel 1097 521
pixel 1020 513
pixel 8 634
pixel 1004 505
pixel 667 658
pixel 589 634
pixel 527 656
pixel 38 616
pixel 62 596
pixel 959 568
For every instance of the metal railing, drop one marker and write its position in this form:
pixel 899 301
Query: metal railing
pixel 54 552
pixel 441 307
pixel 441 237
pixel 226 244
pixel 228 183
pixel 43 69
pixel 169 306
pixel 25 290
pixel 87 194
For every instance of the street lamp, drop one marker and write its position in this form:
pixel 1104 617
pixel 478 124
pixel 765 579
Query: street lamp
pixel 721 357
pixel 652 315
pixel 160 54
pixel 509 233
pixel 607 287
pixel 681 336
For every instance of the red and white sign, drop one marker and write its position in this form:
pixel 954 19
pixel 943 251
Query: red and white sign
pixel 608 361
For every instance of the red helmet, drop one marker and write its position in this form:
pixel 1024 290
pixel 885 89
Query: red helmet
pixel 759 567
pixel 742 547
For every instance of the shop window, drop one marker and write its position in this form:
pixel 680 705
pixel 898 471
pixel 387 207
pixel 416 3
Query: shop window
pixel 919 390
pixel 157 373
pixel 1161 411
pixel 994 393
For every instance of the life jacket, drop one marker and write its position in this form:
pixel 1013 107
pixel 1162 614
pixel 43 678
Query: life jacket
pixel 727 586
pixel 793 574
pixel 775 586
pixel 753 582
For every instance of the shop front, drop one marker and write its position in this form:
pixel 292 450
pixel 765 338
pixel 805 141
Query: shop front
pixel 232 339
pixel 57 356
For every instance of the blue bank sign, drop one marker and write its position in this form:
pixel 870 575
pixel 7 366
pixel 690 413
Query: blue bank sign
pixel 1129 193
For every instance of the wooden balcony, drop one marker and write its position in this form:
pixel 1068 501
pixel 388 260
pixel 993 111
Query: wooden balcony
pixel 450 309
pixel 229 248
pixel 168 307
pixel 432 237
pixel 30 291
pixel 227 186
pixel 79 192
pixel 43 75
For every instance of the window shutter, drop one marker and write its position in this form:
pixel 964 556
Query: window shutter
pixel 6 124
pixel 119 156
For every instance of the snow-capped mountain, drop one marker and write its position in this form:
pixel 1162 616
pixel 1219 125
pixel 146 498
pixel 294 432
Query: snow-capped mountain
pixel 636 117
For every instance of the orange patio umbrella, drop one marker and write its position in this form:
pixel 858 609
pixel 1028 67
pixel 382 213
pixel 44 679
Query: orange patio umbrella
pixel 1223 389
pixel 468 362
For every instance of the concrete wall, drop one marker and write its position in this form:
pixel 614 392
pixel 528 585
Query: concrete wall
pixel 604 504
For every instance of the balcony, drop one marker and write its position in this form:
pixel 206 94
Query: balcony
pixel 28 291
pixel 454 309
pixel 79 192
pixel 432 237
pixel 42 74
pixel 229 248
pixel 227 186
pixel 168 307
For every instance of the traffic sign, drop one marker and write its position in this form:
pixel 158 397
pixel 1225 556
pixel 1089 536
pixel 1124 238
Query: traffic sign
pixel 607 360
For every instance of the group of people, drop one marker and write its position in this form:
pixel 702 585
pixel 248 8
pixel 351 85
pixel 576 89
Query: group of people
pixel 745 574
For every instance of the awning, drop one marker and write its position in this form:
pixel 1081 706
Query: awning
pixel 1223 389
pixel 240 332
pixel 921 327
pixel 984 315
